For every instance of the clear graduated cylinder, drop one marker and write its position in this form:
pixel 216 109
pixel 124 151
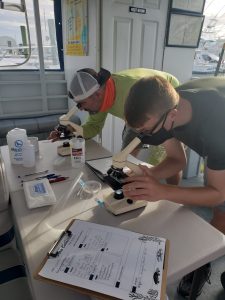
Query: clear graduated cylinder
pixel 28 155
pixel 77 146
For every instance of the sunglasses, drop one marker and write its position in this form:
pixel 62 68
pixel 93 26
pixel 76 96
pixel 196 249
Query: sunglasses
pixel 162 120
pixel 70 95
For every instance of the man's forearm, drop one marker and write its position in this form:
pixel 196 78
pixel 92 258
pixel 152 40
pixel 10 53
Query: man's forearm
pixel 201 196
pixel 167 168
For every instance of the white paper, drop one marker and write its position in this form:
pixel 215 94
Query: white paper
pixel 38 193
pixel 108 260
pixel 102 165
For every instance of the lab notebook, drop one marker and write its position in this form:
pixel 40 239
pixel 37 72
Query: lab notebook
pixel 108 262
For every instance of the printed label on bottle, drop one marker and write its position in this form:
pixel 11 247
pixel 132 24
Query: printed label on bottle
pixel 77 152
pixel 17 150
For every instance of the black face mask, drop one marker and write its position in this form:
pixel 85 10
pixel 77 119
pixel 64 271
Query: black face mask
pixel 160 136
pixel 156 138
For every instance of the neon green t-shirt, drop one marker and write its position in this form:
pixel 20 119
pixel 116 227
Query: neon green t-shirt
pixel 123 81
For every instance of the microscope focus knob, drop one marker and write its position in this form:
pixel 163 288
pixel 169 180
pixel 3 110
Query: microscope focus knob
pixel 118 195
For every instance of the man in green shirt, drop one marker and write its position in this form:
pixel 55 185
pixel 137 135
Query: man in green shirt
pixel 104 93
pixel 110 95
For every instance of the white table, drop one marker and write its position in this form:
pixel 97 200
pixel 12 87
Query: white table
pixel 193 242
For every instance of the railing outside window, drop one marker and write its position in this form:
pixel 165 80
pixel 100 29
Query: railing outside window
pixel 22 24
pixel 34 86
pixel 212 41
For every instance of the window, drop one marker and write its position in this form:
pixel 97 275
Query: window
pixel 212 40
pixel 23 32
pixel 32 81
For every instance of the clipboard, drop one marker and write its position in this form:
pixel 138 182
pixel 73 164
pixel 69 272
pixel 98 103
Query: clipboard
pixel 56 266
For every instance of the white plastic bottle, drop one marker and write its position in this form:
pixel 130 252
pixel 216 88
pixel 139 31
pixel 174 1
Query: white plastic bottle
pixel 77 146
pixel 28 155
pixel 16 139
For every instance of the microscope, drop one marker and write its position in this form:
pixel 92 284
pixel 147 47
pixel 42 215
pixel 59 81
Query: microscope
pixel 115 202
pixel 65 133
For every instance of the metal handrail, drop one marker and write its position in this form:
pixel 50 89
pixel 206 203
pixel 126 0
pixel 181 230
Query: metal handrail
pixel 20 8
pixel 219 61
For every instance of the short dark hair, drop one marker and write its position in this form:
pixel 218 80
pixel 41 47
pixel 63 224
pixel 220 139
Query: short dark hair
pixel 102 76
pixel 148 96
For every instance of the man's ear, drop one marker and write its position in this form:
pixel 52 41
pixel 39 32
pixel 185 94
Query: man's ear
pixel 98 98
pixel 172 114
pixel 100 93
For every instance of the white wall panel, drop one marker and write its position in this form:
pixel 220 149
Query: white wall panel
pixel 130 2
pixel 122 43
pixel 118 126
pixel 21 94
pixel 148 44
pixel 22 89
pixel 179 62
pixel 108 133
pixel 153 4
pixel 59 104
pixel 21 107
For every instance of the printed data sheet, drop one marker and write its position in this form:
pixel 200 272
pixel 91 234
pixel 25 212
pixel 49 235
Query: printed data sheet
pixel 108 260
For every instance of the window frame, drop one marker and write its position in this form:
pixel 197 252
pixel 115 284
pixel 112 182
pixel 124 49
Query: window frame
pixel 41 82
pixel 37 22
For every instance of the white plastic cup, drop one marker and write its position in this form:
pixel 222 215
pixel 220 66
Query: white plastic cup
pixel 16 139
pixel 28 155
pixel 34 141
pixel 89 189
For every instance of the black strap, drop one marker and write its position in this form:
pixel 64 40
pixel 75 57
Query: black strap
pixel 12 273
pixel 7 237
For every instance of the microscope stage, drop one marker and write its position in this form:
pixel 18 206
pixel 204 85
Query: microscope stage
pixel 118 207
pixel 64 149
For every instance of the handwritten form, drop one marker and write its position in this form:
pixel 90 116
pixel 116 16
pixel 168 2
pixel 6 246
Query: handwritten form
pixel 109 260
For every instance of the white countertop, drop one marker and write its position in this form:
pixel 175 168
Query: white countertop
pixel 193 242
pixel 48 159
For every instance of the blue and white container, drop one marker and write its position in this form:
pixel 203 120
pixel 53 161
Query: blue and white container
pixel 16 139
